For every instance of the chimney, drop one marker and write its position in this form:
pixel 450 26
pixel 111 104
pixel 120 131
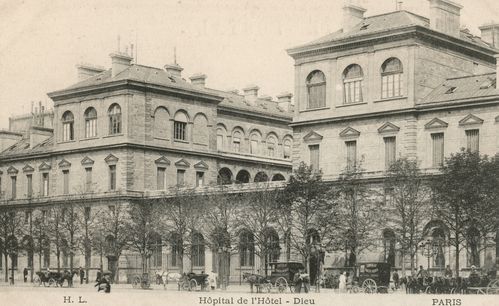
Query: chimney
pixel 120 62
pixel 490 34
pixel 444 16
pixel 198 79
pixel 174 69
pixel 86 71
pixel 251 93
pixel 352 15
pixel 284 100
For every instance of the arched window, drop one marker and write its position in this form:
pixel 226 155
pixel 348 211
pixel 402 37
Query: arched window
pixel 254 143
pixel 286 150
pixel 438 238
pixel 271 245
pixel 236 141
pixel 200 133
pixel 247 248
pixel 67 126
pixel 261 177
pixel 224 176
pixel 90 122
pixel 242 177
pixel 221 134
pixel 316 89
pixel 114 113
pixel 473 246
pixel 156 248
pixel 389 247
pixel 278 177
pixel 391 78
pixel 197 250
pixel 352 84
pixel 271 146
pixel 176 250
pixel 161 127
pixel 180 126
pixel 29 246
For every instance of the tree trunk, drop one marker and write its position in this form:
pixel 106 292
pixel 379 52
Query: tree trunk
pixel 117 277
pixel 12 269
pixel 402 254
pixel 87 267
pixel 457 258
pixel 6 267
pixel 58 255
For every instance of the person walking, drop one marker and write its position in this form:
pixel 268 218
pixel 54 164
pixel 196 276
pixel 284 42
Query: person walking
pixel 82 275
pixel 25 274
pixel 396 279
pixel 297 281
pixel 343 282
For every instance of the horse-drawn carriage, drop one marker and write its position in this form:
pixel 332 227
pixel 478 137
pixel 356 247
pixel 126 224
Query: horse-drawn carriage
pixel 280 278
pixel 55 279
pixel 194 282
pixel 141 281
pixel 372 277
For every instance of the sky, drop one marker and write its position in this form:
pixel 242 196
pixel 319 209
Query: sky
pixel 234 42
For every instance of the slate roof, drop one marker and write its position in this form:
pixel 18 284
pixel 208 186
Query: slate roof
pixel 385 22
pixel 475 86
pixel 23 147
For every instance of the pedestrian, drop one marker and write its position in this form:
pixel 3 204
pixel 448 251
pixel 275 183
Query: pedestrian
pixel 396 279
pixel 212 280
pixel 305 278
pixel 104 284
pixel 82 275
pixel 25 274
pixel 99 276
pixel 297 281
pixel 343 282
pixel 448 272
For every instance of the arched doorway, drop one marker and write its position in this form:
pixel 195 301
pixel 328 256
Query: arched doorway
pixel 389 247
pixel 242 177
pixel 224 176
pixel 436 232
pixel 473 247
pixel 272 249
pixel 314 261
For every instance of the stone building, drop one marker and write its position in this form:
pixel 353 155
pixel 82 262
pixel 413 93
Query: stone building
pixel 136 131
pixel 397 85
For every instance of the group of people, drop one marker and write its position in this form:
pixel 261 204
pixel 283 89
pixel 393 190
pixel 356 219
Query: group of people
pixel 300 280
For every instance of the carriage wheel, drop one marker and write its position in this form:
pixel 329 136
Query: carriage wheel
pixel 193 285
pixel 428 290
pixel 136 282
pixel 355 289
pixel 52 282
pixel 281 284
pixel 369 286
pixel 184 285
pixel 37 282
pixel 267 287
pixel 493 287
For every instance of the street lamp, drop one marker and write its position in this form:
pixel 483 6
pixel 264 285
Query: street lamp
pixel 428 249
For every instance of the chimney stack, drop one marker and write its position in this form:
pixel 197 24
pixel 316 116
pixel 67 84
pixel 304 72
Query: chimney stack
pixel 86 71
pixel 490 34
pixel 352 15
pixel 284 100
pixel 174 69
pixel 198 79
pixel 251 93
pixel 120 62
pixel 444 17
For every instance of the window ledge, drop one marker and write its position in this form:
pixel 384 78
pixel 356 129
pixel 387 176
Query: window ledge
pixel 351 104
pixel 180 141
pixel 200 144
pixel 66 141
pixel 390 99
pixel 161 138
pixel 112 135
pixel 314 109
pixel 89 138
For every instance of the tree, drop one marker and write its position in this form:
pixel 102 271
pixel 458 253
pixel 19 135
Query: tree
pixel 39 235
pixel 259 214
pixel 87 225
pixel 10 227
pixel 307 213
pixel 142 229
pixel 409 205
pixel 55 231
pixel 71 227
pixel 465 192
pixel 358 213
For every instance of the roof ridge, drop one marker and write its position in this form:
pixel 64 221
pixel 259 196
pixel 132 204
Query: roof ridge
pixel 470 76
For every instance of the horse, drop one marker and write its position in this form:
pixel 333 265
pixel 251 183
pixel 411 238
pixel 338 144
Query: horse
pixel 255 279
pixel 68 276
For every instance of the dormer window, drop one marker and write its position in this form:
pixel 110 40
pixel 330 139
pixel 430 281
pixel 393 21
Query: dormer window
pixel 391 78
pixel 451 90
pixel 67 126
pixel 316 89
pixel 352 84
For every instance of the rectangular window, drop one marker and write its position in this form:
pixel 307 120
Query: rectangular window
pixel 65 174
pixel 473 140
pixel 220 142
pixel 27 215
pixel 161 178
pixel 437 140
pixel 180 177
pixel 44 216
pixel 351 154
pixel 180 129
pixel 29 185
pixel 14 186
pixel 314 156
pixel 67 131
pixel 87 213
pixel 353 91
pixel 112 177
pixel 254 146
pixel 390 151
pixel 88 179
pixel 45 184
pixel 317 96
pixel 115 123
pixel 199 179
